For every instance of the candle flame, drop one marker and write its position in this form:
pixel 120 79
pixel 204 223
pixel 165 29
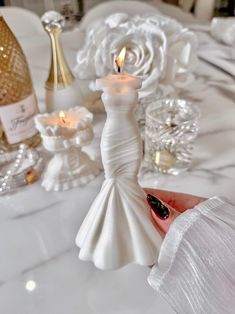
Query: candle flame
pixel 62 116
pixel 121 59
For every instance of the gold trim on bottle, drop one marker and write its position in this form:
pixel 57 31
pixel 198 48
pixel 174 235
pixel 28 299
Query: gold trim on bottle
pixel 33 141
pixel 60 75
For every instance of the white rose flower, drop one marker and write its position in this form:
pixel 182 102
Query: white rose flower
pixel 181 51
pixel 158 50
pixel 145 51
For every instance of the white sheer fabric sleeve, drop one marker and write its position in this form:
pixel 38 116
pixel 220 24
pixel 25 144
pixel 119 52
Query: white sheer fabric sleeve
pixel 196 266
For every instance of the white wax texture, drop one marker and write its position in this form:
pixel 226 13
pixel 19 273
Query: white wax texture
pixel 118 83
pixel 118 229
pixel 65 126
pixel 69 120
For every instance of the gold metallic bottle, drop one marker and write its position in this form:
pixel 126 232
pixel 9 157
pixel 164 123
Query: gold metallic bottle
pixel 62 90
pixel 18 104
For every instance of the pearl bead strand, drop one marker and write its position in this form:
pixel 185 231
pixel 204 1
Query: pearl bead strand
pixel 13 179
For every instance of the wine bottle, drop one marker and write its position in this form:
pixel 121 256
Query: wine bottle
pixel 18 104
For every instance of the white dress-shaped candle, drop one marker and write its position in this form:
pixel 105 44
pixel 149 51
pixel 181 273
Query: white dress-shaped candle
pixel 118 229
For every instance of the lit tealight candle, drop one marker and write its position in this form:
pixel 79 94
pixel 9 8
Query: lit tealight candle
pixel 66 120
pixel 63 123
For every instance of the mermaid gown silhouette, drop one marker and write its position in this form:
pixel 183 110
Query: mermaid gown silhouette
pixel 118 229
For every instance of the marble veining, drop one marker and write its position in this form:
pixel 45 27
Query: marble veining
pixel 38 210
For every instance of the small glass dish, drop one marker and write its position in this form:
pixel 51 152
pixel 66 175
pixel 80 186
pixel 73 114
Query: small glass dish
pixel 170 132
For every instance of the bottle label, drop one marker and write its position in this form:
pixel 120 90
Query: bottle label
pixel 17 119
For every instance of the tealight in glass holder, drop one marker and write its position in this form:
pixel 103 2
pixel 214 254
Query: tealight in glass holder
pixel 170 133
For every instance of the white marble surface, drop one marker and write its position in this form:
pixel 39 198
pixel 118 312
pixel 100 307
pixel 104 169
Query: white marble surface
pixel 37 249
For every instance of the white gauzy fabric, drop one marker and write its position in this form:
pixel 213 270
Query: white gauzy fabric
pixel 196 266
pixel 118 229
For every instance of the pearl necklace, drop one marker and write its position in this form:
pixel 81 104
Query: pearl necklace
pixel 13 179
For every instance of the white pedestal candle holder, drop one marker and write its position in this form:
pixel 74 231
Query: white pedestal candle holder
pixel 118 229
pixel 64 137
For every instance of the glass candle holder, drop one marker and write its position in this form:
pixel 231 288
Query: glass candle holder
pixel 170 132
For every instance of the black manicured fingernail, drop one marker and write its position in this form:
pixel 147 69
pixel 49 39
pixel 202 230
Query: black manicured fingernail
pixel 158 207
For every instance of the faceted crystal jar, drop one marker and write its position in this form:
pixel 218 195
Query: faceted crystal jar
pixel 170 132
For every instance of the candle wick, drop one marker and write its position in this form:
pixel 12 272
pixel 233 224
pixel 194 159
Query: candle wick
pixel 63 120
pixel 118 67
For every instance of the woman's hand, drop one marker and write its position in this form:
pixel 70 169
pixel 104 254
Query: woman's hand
pixel 176 203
